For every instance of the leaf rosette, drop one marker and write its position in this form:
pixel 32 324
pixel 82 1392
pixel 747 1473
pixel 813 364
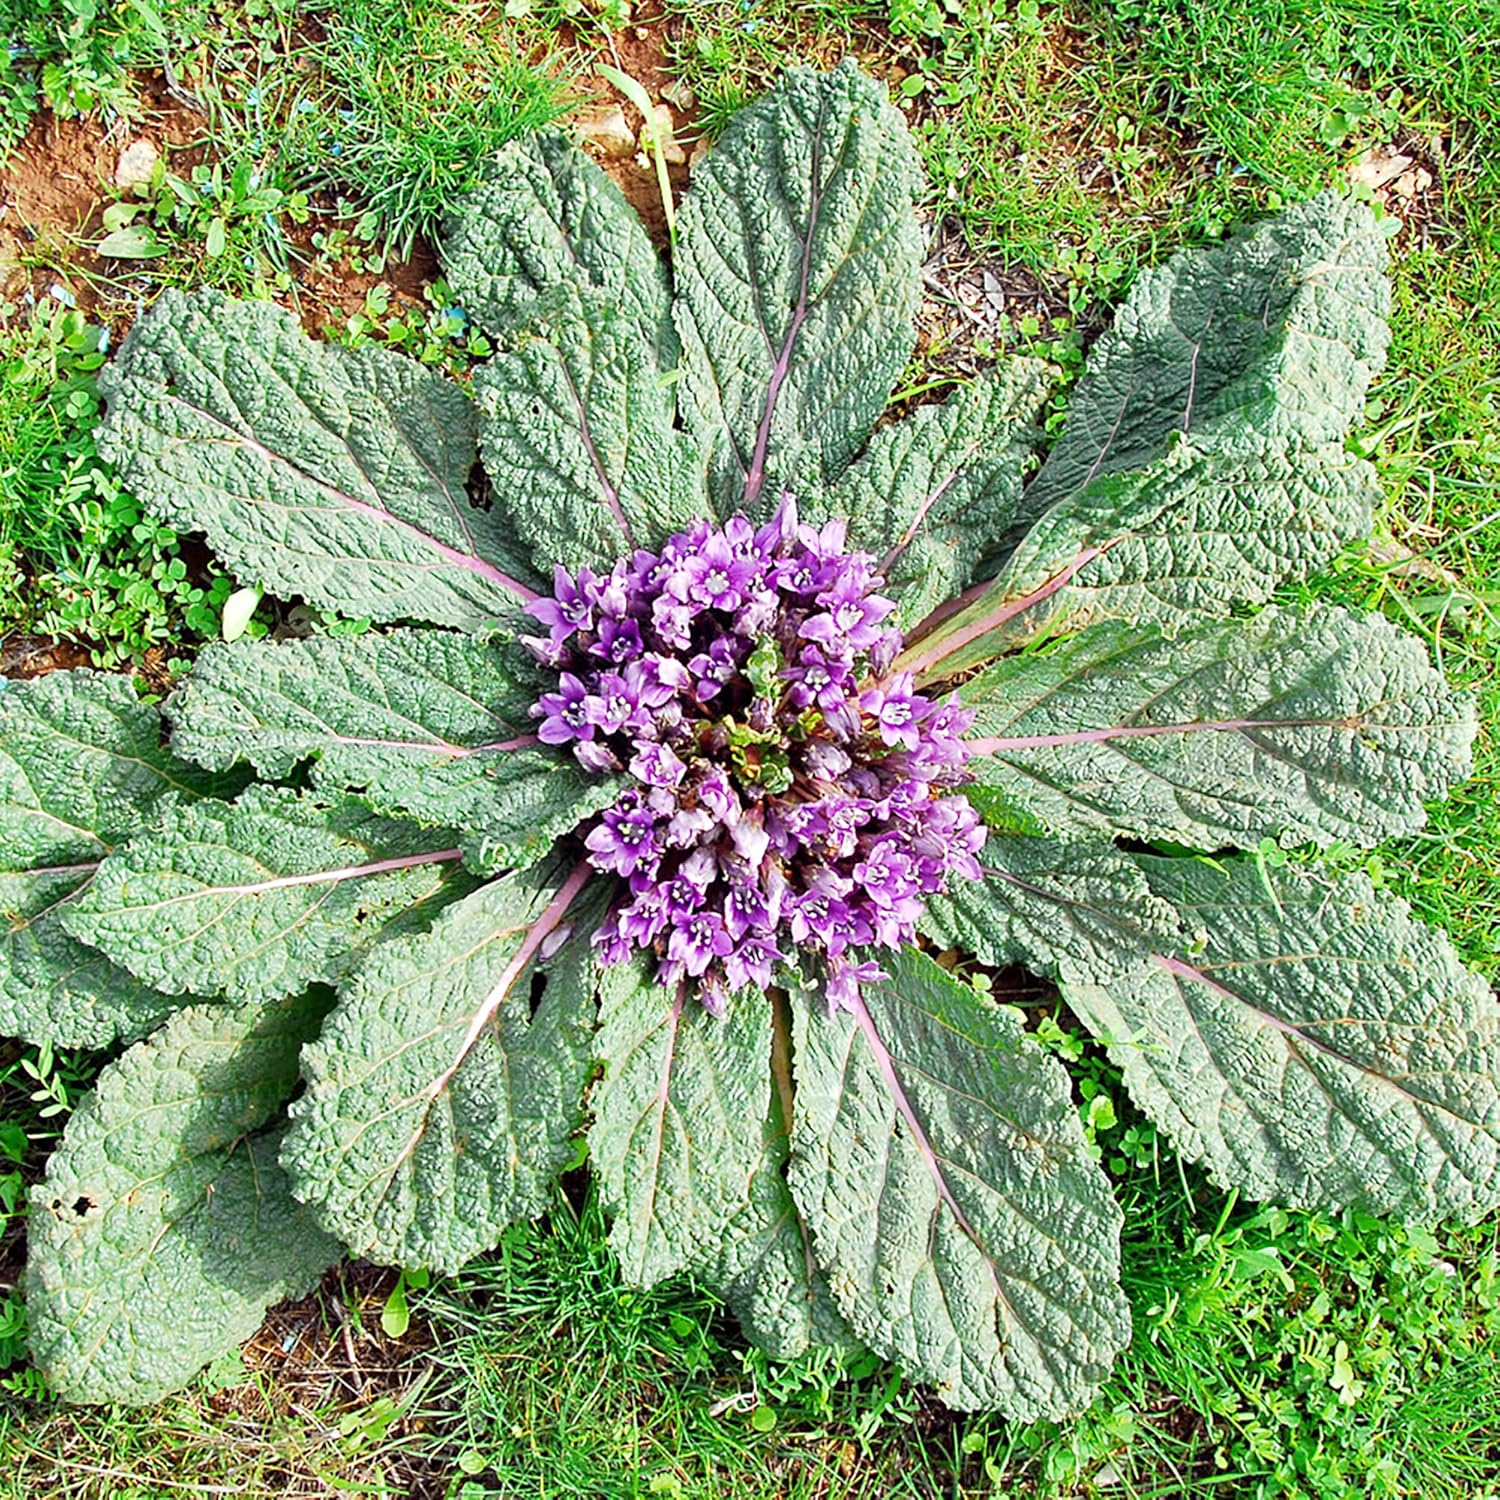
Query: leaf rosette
pixel 678 762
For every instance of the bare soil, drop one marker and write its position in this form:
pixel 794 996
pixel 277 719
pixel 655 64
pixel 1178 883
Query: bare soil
pixel 50 188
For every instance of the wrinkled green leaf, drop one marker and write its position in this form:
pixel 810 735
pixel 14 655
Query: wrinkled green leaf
pixel 577 415
pixel 768 1273
pixel 81 767
pixel 1311 1043
pixel 55 989
pixel 550 222
pixel 418 723
pixel 1309 724
pixel 407 717
pixel 678 1119
pixel 526 802
pixel 796 271
pixel 577 431
pixel 334 474
pixel 259 897
pixel 357 705
pixel 1069 910
pixel 1203 459
pixel 163 1229
pixel 933 491
pixel 439 1105
pixel 964 1231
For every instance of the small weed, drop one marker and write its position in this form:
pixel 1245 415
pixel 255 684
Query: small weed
pixel 38 1089
pixel 78 559
pixel 70 55
pixel 443 336
pixel 219 225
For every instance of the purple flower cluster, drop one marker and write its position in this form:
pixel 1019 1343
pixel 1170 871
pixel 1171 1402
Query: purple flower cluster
pixel 786 786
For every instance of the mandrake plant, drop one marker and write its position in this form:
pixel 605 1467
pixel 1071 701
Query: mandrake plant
pixel 693 744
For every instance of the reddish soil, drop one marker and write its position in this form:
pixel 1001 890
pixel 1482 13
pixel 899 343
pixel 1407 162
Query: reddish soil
pixel 328 292
pixel 54 188
pixel 49 193
pixel 23 656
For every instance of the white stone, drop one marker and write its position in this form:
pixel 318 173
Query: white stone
pixel 136 163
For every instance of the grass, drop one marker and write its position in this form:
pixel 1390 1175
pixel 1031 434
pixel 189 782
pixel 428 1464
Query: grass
pixel 1276 1354
pixel 77 557
pixel 410 102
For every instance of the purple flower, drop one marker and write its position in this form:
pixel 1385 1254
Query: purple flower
pixel 886 873
pixel 717 576
pixel 656 765
pixel 624 842
pixel 844 980
pixel 697 942
pixel 713 668
pixel 597 757
pixel 567 611
pixel 619 641
pixel 750 962
pixel 564 714
pixel 894 710
pixel 784 785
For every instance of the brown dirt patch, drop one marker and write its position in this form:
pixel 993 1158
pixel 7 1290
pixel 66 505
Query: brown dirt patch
pixel 26 656
pixel 972 303
pixel 53 192
pixel 54 189
pixel 50 187
pixel 327 291
pixel 1411 177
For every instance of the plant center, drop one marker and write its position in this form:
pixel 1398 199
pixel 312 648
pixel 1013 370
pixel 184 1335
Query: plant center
pixel 787 799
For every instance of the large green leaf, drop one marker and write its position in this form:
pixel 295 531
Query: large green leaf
pixel 549 221
pixel 259 897
pixel 52 987
pixel 768 1272
pixel 163 1229
pixel 340 476
pixel 577 415
pixel 418 723
pixel 939 1161
pixel 1312 725
pixel 1066 909
pixel 934 490
pixel 81 767
pixel 1203 460
pixel 796 268
pixel 679 1117
pixel 440 1104
pixel 376 711
pixel 577 431
pixel 1312 1043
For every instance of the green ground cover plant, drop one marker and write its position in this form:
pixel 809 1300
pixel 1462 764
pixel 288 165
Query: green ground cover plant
pixel 411 102
pixel 1207 1421
pixel 78 558
pixel 752 736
